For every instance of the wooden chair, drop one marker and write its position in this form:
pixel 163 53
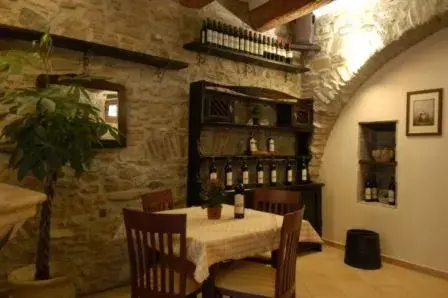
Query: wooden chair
pixel 159 268
pixel 248 279
pixel 278 202
pixel 158 201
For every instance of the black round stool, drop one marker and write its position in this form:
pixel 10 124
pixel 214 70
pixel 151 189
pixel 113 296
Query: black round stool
pixel 362 249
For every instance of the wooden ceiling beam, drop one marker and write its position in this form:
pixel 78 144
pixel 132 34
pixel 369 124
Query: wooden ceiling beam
pixel 195 3
pixel 278 12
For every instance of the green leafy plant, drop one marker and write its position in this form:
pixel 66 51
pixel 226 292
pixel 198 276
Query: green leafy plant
pixel 212 194
pixel 50 127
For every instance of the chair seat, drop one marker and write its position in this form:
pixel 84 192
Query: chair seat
pixel 191 284
pixel 247 277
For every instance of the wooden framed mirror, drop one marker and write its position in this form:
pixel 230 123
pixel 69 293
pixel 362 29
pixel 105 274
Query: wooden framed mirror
pixel 109 98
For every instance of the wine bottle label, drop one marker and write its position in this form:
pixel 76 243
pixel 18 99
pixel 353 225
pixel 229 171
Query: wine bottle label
pixel 253 145
pixel 271 146
pixel 229 179
pixel 239 203
pixel 260 177
pixel 374 193
pixel 391 196
pixel 245 177
pixel 289 176
pixel 226 40
pixel 368 194
pixel 274 176
pixel 304 175
pixel 209 36
pixel 213 176
pixel 215 37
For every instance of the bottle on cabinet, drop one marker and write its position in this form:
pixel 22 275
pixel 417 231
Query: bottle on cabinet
pixel 213 171
pixel 245 173
pixel 251 144
pixel 260 173
pixel 239 200
pixel 374 189
pixel 273 174
pixel 288 173
pixel 228 174
pixel 391 193
pixel 304 175
pixel 270 145
pixel 367 190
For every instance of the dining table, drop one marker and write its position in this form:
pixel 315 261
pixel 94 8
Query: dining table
pixel 211 242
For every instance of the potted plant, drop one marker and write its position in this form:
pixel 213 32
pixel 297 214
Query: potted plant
pixel 213 195
pixel 52 128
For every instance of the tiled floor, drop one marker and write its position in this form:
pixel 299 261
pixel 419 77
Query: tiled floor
pixel 324 275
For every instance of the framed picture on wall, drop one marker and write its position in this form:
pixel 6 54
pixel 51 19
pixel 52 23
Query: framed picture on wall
pixel 424 113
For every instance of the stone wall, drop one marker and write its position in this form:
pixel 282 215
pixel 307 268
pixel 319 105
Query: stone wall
pixel 356 40
pixel 88 211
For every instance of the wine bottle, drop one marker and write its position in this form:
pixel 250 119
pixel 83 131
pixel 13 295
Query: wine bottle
pixel 213 171
pixel 272 49
pixel 268 48
pixel 260 174
pixel 241 40
pixel 239 200
pixel 251 43
pixel 276 51
pixel 273 174
pixel 215 33
pixel 288 53
pixel 204 32
pixel 265 47
pixel 220 35
pixel 271 145
pixel 374 189
pixel 245 173
pixel 251 145
pixel 225 36
pixel 260 46
pixel 209 34
pixel 282 52
pixel 233 38
pixel 367 190
pixel 304 171
pixel 229 175
pixel 288 173
pixel 256 44
pixel 246 42
pixel 391 191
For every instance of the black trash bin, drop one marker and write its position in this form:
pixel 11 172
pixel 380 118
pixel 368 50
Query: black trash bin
pixel 362 249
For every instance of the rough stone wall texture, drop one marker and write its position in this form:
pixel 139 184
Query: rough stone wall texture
pixel 356 41
pixel 88 211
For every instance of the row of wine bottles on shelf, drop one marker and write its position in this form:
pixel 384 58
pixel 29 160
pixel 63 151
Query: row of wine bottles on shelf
pixel 260 178
pixel 243 40
pixel 371 190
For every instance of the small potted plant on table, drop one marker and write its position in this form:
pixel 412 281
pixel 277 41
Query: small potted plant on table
pixel 213 196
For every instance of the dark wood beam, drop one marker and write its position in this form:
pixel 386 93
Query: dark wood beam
pixel 278 12
pixel 238 8
pixel 195 3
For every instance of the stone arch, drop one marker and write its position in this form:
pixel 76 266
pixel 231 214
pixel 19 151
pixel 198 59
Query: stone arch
pixel 332 86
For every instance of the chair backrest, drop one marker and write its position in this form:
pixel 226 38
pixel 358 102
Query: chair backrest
pixel 154 260
pixel 286 267
pixel 276 201
pixel 158 201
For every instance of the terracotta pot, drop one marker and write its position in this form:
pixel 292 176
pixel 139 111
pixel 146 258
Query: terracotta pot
pixel 23 284
pixel 214 212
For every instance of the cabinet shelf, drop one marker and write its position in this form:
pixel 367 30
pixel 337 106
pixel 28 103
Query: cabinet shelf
pixel 196 46
pixel 261 157
pixel 257 127
pixel 380 163
pixel 251 187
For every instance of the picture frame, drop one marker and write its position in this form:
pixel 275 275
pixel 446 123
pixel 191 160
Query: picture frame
pixel 424 112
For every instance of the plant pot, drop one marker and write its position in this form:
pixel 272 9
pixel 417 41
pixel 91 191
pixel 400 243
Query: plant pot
pixel 214 212
pixel 23 285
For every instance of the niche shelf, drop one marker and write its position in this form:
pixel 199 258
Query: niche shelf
pixel 377 164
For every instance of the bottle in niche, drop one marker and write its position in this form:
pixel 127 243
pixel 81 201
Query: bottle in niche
pixel 215 33
pixel 260 173
pixel 239 200
pixel 245 173
pixel 367 190
pixel 374 189
pixel 271 145
pixel 391 194
pixel 220 35
pixel 288 174
pixel 273 174
pixel 204 32
pixel 246 42
pixel 213 171
pixel 229 175
pixel 304 171
pixel 209 33
pixel 288 53
pixel 251 145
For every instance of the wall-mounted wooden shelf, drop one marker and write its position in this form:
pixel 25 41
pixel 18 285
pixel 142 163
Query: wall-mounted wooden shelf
pixel 380 163
pixel 93 48
pixel 257 127
pixel 196 46
pixel 261 157
pixel 305 47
